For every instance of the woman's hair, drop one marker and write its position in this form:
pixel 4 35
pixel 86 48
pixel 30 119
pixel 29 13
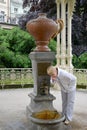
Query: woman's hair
pixel 50 70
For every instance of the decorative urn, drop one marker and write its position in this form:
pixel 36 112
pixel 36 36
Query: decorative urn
pixel 43 29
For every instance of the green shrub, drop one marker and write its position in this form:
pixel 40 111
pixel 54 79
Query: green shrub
pixel 15 46
pixel 81 61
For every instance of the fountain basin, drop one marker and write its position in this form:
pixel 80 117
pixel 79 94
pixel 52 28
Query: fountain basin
pixel 46 117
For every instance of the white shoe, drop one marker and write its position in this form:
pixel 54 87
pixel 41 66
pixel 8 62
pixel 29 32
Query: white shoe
pixel 66 122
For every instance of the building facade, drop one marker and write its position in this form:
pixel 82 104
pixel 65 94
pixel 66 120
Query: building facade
pixel 11 10
pixel 3 10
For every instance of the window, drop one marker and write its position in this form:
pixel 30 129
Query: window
pixel 24 11
pixel 15 10
pixel 2 16
pixel 2 12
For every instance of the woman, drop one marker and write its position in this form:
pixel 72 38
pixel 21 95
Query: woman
pixel 67 82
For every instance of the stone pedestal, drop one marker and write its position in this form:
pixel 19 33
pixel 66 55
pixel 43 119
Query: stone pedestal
pixel 41 98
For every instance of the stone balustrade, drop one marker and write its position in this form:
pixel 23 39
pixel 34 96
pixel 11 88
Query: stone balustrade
pixel 81 75
pixel 23 76
pixel 15 76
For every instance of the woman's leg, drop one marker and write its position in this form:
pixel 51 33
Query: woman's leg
pixel 64 102
pixel 70 104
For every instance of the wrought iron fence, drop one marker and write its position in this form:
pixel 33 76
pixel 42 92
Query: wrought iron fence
pixel 23 76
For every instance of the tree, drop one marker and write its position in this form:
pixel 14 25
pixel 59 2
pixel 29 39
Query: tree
pixel 79 30
pixel 15 46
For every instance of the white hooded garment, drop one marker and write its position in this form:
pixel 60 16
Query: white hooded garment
pixel 66 80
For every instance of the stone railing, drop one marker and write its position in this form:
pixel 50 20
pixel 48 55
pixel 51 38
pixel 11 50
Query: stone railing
pixel 15 76
pixel 81 75
pixel 23 76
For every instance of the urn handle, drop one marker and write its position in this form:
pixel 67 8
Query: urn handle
pixel 61 23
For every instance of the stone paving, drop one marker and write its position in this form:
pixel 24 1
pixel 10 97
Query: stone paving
pixel 13 104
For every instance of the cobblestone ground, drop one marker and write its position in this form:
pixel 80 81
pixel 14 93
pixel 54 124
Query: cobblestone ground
pixel 13 104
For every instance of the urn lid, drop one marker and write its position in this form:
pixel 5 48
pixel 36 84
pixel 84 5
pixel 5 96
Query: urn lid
pixel 42 17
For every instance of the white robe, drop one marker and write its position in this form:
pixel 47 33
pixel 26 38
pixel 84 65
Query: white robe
pixel 67 83
pixel 66 80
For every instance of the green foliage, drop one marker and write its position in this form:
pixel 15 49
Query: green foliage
pixel 3 53
pixel 15 45
pixel 53 45
pixel 20 41
pixel 21 61
pixel 81 61
pixel 75 61
pixel 3 34
pixel 7 58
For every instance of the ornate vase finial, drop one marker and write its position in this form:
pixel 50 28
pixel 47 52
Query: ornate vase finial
pixel 43 29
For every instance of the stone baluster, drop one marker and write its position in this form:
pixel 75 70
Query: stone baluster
pixel 22 78
pixel 12 76
pixel 2 79
pixel 29 76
